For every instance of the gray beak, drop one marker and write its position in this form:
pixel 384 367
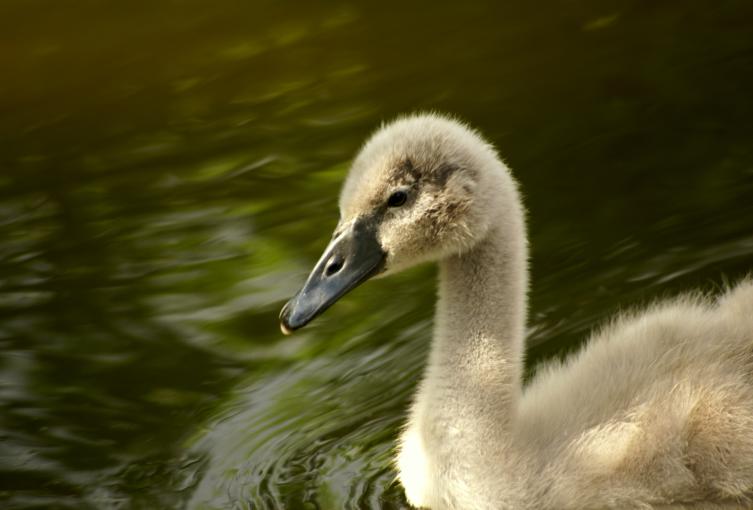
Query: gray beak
pixel 351 258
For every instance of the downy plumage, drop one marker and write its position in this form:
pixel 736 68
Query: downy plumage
pixel 656 411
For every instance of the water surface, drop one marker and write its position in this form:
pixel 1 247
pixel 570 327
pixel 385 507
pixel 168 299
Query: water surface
pixel 169 173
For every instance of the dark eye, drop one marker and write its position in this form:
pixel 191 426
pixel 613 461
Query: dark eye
pixel 397 199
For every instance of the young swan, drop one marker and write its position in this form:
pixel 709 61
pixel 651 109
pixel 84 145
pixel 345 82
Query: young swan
pixel 656 411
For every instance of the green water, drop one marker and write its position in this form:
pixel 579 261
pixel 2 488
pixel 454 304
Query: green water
pixel 169 173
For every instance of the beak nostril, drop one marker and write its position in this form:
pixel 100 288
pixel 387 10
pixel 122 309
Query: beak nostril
pixel 334 265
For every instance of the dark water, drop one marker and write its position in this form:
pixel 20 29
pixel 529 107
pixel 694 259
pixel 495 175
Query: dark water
pixel 169 171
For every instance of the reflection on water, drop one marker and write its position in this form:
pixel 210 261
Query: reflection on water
pixel 170 172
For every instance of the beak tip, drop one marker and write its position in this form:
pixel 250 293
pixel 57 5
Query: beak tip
pixel 284 318
pixel 285 330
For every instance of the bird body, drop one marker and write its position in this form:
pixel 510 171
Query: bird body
pixel 656 411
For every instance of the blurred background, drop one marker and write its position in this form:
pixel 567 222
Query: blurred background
pixel 169 172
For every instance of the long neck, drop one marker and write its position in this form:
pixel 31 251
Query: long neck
pixel 459 432
pixel 475 364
